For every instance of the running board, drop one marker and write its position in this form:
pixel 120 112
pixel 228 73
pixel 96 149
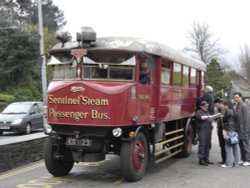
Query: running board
pixel 156 154
pixel 167 157
pixel 169 147
pixel 169 140
pixel 175 131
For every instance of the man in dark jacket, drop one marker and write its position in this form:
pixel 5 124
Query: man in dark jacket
pixel 204 129
pixel 209 98
pixel 243 128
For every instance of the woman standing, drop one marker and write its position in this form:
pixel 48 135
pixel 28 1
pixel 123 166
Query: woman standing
pixel 230 128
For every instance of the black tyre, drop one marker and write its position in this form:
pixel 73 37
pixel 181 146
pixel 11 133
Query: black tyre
pixel 188 141
pixel 134 158
pixel 28 128
pixel 57 167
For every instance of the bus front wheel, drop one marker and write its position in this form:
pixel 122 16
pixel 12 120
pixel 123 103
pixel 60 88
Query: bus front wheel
pixel 57 166
pixel 134 158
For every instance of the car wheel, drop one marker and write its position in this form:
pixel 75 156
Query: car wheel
pixel 28 128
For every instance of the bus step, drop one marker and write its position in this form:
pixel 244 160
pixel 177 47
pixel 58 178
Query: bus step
pixel 167 150
pixel 168 156
pixel 169 140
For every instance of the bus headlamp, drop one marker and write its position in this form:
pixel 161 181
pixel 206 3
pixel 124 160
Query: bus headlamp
pixel 117 132
pixel 47 128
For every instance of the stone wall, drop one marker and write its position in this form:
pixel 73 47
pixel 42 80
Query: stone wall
pixel 13 155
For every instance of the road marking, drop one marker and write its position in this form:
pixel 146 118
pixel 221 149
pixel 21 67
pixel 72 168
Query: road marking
pixel 42 182
pixel 89 164
pixel 10 174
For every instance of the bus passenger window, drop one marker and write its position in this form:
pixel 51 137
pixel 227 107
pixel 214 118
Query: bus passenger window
pixel 177 74
pixel 193 77
pixel 165 72
pixel 185 76
pixel 144 73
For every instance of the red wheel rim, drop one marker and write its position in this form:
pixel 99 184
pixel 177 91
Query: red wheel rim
pixel 139 156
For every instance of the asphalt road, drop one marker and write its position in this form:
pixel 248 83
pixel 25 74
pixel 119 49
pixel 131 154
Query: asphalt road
pixel 172 173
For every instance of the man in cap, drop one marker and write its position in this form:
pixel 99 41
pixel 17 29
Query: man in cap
pixel 204 130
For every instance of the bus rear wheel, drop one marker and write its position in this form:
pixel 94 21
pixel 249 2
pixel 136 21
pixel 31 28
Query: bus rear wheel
pixel 60 165
pixel 134 158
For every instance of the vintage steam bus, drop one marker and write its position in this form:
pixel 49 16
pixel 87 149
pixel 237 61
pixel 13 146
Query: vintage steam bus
pixel 123 96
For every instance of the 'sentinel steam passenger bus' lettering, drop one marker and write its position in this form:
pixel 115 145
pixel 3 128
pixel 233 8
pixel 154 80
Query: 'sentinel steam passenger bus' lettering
pixel 122 96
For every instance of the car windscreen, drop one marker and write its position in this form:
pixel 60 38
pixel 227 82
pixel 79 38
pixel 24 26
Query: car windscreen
pixel 17 109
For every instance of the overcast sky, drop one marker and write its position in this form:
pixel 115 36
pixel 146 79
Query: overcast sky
pixel 165 21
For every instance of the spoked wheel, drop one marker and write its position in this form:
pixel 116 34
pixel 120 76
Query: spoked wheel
pixel 134 158
pixel 188 140
pixel 57 161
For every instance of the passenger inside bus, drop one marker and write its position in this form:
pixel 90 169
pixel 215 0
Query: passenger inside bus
pixel 144 73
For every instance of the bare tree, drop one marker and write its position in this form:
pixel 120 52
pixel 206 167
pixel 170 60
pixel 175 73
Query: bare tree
pixel 202 46
pixel 244 59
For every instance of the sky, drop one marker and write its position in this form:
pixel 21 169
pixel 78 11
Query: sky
pixel 164 21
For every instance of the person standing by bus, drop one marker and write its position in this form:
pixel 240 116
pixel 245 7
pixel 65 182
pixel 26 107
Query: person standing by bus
pixel 220 109
pixel 230 128
pixel 243 127
pixel 209 98
pixel 204 130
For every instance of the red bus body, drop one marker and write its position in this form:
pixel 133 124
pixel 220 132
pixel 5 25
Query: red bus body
pixel 154 118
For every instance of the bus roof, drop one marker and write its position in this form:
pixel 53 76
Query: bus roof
pixel 136 45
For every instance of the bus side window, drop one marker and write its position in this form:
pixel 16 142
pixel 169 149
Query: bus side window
pixel 144 73
pixel 185 76
pixel 193 77
pixel 147 69
pixel 177 74
pixel 165 72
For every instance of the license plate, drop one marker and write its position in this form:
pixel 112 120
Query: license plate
pixel 78 142
pixel 4 127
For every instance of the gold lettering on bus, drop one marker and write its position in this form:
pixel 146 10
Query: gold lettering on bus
pixel 99 115
pixel 64 114
pixel 93 114
pixel 84 100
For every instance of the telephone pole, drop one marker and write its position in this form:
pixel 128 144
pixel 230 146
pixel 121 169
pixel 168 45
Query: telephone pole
pixel 42 54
